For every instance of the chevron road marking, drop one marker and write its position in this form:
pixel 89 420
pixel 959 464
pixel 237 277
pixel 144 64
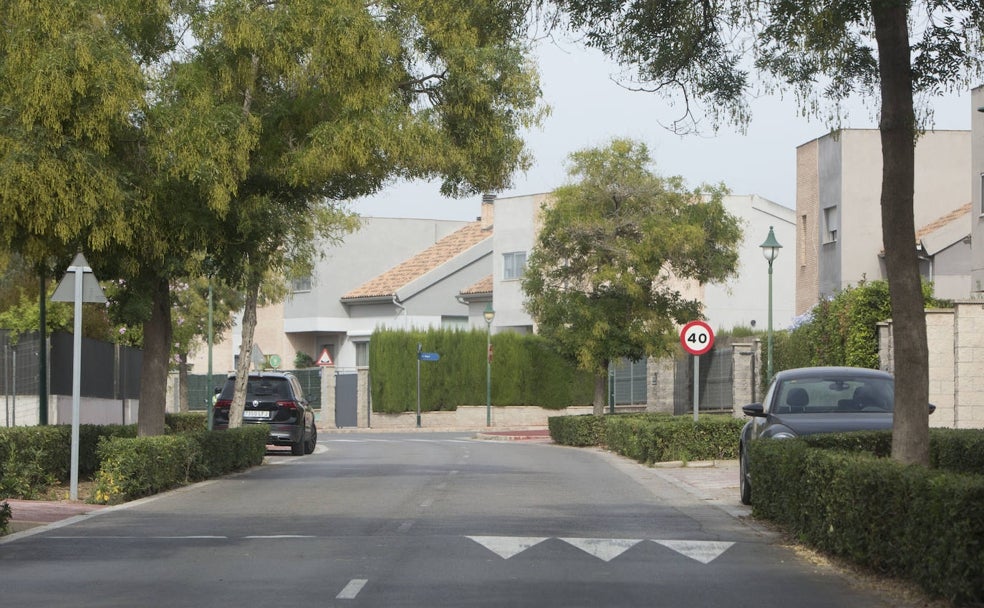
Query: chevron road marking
pixel 605 549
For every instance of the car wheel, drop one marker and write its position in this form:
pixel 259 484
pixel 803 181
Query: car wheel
pixel 744 484
pixel 297 447
pixel 312 442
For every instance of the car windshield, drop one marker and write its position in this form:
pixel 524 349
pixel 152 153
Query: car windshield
pixel 823 394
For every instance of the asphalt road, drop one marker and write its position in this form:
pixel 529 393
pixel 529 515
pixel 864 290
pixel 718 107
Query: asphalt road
pixel 420 520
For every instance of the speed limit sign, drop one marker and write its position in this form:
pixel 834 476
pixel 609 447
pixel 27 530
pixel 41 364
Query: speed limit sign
pixel 697 337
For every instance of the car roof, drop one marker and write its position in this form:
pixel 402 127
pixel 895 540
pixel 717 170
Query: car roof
pixel 266 374
pixel 812 372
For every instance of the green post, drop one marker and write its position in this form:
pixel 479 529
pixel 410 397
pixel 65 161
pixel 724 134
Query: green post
pixel 770 249
pixel 489 315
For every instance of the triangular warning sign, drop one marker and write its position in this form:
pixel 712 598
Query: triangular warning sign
pixel 325 358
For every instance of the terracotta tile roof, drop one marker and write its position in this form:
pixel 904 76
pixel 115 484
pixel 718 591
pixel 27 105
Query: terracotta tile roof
pixel 444 250
pixel 482 287
pixel 953 216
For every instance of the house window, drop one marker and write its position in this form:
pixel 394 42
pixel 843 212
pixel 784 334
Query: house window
pixel 830 225
pixel 454 322
pixel 301 284
pixel 362 354
pixel 513 265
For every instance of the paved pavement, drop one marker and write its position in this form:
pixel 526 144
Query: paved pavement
pixel 714 483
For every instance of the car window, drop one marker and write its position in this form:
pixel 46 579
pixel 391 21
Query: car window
pixel 259 389
pixel 826 394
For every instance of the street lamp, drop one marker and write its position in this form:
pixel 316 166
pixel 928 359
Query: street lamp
pixel 489 314
pixel 770 249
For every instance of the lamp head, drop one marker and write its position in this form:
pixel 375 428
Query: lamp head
pixel 771 247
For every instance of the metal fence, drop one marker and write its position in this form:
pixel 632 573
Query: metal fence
pixel 200 390
pixel 20 378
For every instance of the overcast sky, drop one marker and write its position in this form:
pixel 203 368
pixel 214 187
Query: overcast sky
pixel 589 109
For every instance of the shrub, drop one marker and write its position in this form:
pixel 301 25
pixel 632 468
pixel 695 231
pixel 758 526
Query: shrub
pixel 185 423
pixel 577 431
pixel 5 515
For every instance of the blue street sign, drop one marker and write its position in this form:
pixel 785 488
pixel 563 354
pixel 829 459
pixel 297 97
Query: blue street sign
pixel 428 356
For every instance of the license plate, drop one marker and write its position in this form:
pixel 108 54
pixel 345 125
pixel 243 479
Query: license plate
pixel 256 414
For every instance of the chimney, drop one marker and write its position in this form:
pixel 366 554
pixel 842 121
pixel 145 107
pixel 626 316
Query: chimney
pixel 488 211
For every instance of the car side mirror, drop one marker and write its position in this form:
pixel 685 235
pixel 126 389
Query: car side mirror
pixel 932 408
pixel 218 389
pixel 753 409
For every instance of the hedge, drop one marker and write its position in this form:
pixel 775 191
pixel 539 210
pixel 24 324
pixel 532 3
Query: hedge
pixel 525 371
pixel 650 438
pixel 140 466
pixel 917 523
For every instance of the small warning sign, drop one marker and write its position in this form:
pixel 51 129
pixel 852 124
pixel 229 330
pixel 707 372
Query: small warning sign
pixel 325 358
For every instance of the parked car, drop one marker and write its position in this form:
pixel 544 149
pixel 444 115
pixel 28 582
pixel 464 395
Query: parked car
pixel 812 400
pixel 276 399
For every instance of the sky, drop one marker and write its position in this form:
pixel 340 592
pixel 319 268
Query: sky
pixel 589 108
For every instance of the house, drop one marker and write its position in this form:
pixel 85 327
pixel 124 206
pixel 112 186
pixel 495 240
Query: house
pixel 838 212
pixel 977 191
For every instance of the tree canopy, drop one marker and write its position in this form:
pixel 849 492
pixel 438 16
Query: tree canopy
pixel 156 135
pixel 618 245
pixel 718 54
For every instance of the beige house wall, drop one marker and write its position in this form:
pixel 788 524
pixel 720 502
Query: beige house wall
pixel 807 210
pixel 956 363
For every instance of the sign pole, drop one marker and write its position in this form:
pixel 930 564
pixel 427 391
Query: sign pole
pixel 697 338
pixel 419 348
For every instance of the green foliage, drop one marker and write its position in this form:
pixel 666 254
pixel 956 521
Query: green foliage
pixel 135 467
pixel 303 360
pixel 650 438
pixel 5 516
pixel 913 522
pixel 578 431
pixel 186 423
pixel 596 283
pixel 34 458
pixel 842 330
pixel 524 371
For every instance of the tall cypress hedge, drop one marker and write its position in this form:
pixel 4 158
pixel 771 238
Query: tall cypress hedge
pixel 525 371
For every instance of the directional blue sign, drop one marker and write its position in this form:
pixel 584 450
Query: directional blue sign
pixel 428 356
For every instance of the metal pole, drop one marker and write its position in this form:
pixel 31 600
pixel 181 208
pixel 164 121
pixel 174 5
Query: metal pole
pixel 696 385
pixel 76 382
pixel 769 348
pixel 43 354
pixel 488 374
pixel 419 348
pixel 211 389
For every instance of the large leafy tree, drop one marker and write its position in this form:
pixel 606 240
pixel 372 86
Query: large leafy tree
pixel 607 275
pixel 717 54
pixel 154 134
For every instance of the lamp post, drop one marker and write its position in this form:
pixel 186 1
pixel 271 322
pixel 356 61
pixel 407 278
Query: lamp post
pixel 770 249
pixel 489 314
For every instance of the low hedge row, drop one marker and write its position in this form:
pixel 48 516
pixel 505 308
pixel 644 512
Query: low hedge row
pixel 36 457
pixel 140 466
pixel 650 438
pixel 917 523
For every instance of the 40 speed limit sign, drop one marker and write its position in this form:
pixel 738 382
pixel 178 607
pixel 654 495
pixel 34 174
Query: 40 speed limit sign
pixel 697 337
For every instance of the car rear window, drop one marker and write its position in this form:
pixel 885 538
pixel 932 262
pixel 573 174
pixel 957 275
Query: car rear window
pixel 835 394
pixel 260 389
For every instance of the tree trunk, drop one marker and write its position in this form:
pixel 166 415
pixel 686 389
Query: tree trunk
pixel 600 391
pixel 910 433
pixel 245 352
pixel 153 370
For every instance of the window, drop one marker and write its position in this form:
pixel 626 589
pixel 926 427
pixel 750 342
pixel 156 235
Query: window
pixel 513 265
pixel 362 354
pixel 301 284
pixel 830 225
pixel 454 322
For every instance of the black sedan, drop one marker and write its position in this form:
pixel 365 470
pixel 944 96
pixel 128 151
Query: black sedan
pixel 813 400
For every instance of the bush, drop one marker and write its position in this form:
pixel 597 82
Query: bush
pixel 913 522
pixel 135 467
pixel 652 438
pixel 34 458
pixel 5 515
pixel 186 423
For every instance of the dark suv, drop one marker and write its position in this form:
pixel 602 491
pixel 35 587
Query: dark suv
pixel 276 399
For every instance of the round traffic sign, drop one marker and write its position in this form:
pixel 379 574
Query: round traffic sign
pixel 697 337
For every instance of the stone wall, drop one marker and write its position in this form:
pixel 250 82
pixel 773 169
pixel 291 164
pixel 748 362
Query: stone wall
pixel 956 363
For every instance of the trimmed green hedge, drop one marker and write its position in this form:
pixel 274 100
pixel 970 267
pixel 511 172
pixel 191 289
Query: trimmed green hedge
pixel 650 438
pixel 922 524
pixel 525 371
pixel 33 458
pixel 140 466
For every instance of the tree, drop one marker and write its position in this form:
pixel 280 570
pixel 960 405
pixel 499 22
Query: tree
pixel 606 275
pixel 824 51
pixel 154 134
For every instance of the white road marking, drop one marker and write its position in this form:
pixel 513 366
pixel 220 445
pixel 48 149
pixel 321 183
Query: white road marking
pixel 507 546
pixel 277 536
pixel 352 589
pixel 605 549
pixel 701 550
